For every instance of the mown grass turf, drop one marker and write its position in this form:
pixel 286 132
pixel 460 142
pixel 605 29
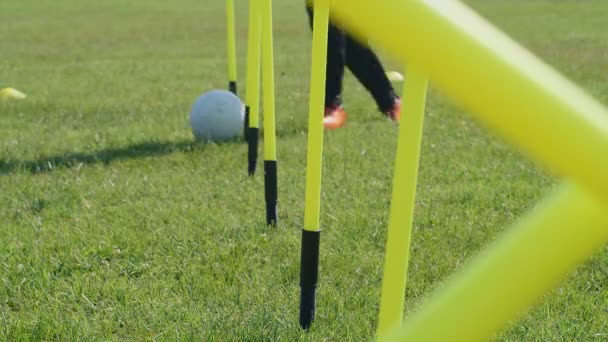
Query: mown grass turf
pixel 114 225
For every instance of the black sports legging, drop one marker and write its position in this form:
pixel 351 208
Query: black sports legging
pixel 344 50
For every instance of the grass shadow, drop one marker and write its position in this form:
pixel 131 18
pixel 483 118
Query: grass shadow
pixel 105 156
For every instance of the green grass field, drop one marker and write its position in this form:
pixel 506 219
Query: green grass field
pixel 114 225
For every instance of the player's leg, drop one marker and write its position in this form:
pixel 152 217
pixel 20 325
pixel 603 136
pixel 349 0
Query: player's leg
pixel 368 69
pixel 335 116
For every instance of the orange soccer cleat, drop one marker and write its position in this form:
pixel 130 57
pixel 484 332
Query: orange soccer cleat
pixel 395 112
pixel 335 117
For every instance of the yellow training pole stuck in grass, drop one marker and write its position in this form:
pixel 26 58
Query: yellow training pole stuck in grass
pixel 252 101
pixel 403 201
pixel 11 94
pixel 501 282
pixel 270 148
pixel 231 44
pixel 309 262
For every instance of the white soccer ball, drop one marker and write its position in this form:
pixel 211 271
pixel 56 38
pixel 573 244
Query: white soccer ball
pixel 217 115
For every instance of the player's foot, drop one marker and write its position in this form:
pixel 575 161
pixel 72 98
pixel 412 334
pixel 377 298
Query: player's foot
pixel 335 117
pixel 395 112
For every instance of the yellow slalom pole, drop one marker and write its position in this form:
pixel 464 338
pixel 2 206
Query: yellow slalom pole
pixel 270 148
pixel 505 279
pixel 270 152
pixel 231 46
pixel 503 85
pixel 315 118
pixel 402 203
pixel 252 100
pixel 309 262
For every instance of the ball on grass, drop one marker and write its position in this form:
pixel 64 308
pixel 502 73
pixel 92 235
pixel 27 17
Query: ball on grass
pixel 217 115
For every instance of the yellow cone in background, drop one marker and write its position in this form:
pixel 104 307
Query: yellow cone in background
pixel 11 94
pixel 394 76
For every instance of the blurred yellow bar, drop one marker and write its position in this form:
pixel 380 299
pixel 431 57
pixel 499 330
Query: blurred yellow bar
pixel 253 63
pixel 505 279
pixel 270 149
pixel 403 199
pixel 231 40
pixel 502 84
pixel 315 119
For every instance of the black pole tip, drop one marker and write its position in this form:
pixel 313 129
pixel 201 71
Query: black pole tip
pixel 270 192
pixel 309 275
pixel 252 155
pixel 246 125
pixel 308 303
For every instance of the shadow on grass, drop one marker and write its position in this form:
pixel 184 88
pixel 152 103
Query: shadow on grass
pixel 106 156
